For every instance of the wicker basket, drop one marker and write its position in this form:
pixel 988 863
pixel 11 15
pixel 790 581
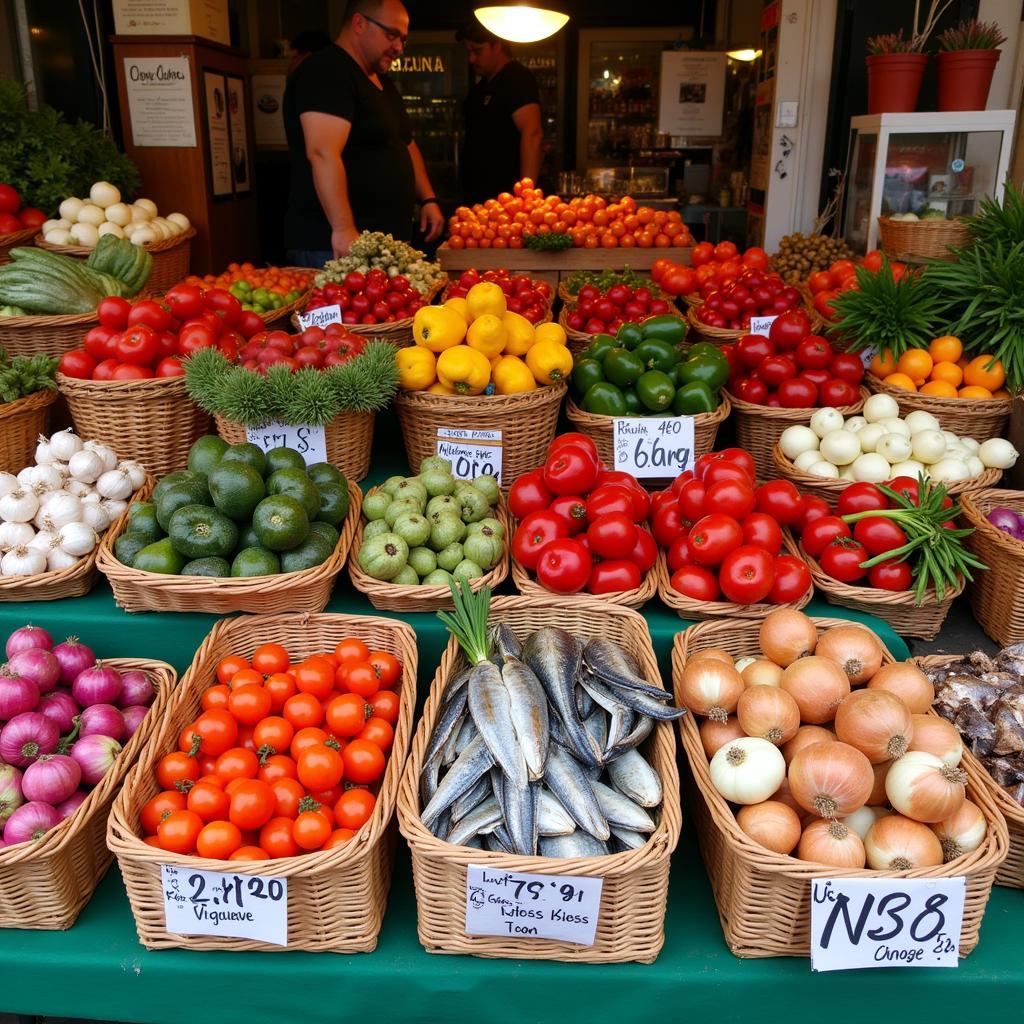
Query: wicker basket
pixel 830 489
pixel 170 258
pixel 569 297
pixel 306 590
pixel 980 418
pixel 763 898
pixel 349 438
pixel 579 340
pixel 602 428
pixel 896 607
pixel 21 423
pixel 997 593
pixel 391 597
pixel 527 585
pixel 758 427
pixel 45 884
pixel 527 422
pixel 921 239
pixel 49 335
pixel 1011 871
pixel 632 915
pixel 716 335
pixel 12 241
pixel 336 898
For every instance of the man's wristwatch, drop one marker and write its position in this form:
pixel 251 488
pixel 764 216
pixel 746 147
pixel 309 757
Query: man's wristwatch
pixel 428 200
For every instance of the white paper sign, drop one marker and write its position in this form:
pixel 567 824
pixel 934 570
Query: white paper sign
pixel 761 324
pixel 160 101
pixel 320 317
pixel 885 922
pixel 867 354
pixel 692 93
pixel 308 441
pixel 218 903
pixel 472 453
pixel 267 100
pixel 653 448
pixel 564 907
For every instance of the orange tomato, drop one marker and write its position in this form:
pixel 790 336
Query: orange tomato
pixel 339 837
pixel 311 830
pixel 237 763
pixel 174 768
pixel 208 800
pixel 303 710
pixel 985 372
pixel 252 804
pixel 218 840
pixel 228 666
pixel 250 704
pixel 179 830
pixel 900 380
pixel 249 853
pixel 275 732
pixel 270 658
pixel 315 676
pixel 276 838
pixel 883 363
pixel 280 686
pixel 158 807
pixel 975 391
pixel 948 373
pixel 916 363
pixel 276 766
pixel 246 677
pixel 305 738
pixel 354 808
pixel 947 349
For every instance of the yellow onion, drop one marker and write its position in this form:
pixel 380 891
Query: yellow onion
pixel 783 795
pixel 936 736
pixel 805 736
pixel 830 779
pixel 761 672
pixel 908 682
pixel 832 843
pixel 962 832
pixel 862 820
pixel 773 824
pixel 878 797
pixel 877 723
pixel 895 843
pixel 710 688
pixel 818 686
pixel 714 654
pixel 787 635
pixel 921 787
pixel 768 712
pixel 855 649
pixel 714 735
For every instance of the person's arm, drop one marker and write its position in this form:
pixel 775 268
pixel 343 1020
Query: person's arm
pixel 431 215
pixel 325 137
pixel 531 139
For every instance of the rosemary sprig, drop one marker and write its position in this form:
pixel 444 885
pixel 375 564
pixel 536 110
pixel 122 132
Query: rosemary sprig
pixel 468 624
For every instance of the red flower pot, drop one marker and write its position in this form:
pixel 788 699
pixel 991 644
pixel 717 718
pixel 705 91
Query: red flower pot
pixel 965 77
pixel 894 80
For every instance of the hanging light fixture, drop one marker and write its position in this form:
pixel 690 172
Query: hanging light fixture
pixel 744 55
pixel 521 22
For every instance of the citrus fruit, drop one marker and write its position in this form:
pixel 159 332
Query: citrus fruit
pixel 984 372
pixel 948 372
pixel 249 454
pixel 916 363
pixel 213 567
pixel 938 389
pixel 255 562
pixel 900 380
pixel 206 453
pixel 284 458
pixel 280 522
pixel 883 363
pixel 975 391
pixel 947 349
pixel 198 531
pixel 299 486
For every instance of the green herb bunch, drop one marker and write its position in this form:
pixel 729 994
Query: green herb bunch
pixel 25 375
pixel 971 35
pixel 363 384
pixel 997 222
pixel 605 279
pixel 548 243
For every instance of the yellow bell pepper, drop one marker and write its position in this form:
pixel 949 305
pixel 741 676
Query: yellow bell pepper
pixel 437 388
pixel 460 306
pixel 464 369
pixel 551 332
pixel 512 376
pixel 486 297
pixel 417 368
pixel 549 362
pixel 486 334
pixel 520 334
pixel 438 328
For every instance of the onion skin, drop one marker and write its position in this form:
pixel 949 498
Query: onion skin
pixel 28 638
pixel 68 807
pixel 11 796
pixel 40 666
pixel 32 821
pixel 783 795
pixel 98 684
pixel 805 736
pixel 51 779
pixel 715 654
pixel 60 707
pixel 136 688
pixel 963 832
pixel 936 736
pixel 102 720
pixel 862 820
pixel 831 843
pixel 133 717
pixel 831 780
pixel 855 649
pixel 710 688
pixel 878 797
pixel 762 672
pixel 921 787
pixel 773 824
pixel 896 843
pixel 714 735
pixel 877 723
pixel 908 682
pixel 74 658
pixel 25 737
pixel 818 686
pixel 787 635
pixel 17 695
pixel 96 756
pixel 769 712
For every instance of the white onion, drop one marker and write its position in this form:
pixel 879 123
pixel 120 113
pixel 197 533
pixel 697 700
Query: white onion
pixel 871 467
pixel 929 446
pixel 19 506
pixel 880 407
pixel 103 194
pixel 42 541
pixel 119 214
pixel 69 208
pixel 115 483
pixel 58 236
pixel 96 516
pixel 975 466
pixel 77 539
pixel 180 219
pixel 78 488
pixel 970 444
pixel 86 466
pixel 825 420
pixel 797 439
pixel 910 467
pixel 825 469
pixel 135 470
pixel 23 561
pixel 114 507
pixel 47 475
pixel 869 436
pixel 894 425
pixel 919 420
pixel 894 447
pixel 55 224
pixel 997 453
pixel 25 477
pixel 8 483
pixel 13 535
pixel 855 424
pixel 44 452
pixel 64 444
pixel 84 234
pixel 110 229
pixel 805 460
pixel 105 452
pixel 58 559
pixel 62 509
pixel 840 447
pixel 747 770
pixel 949 470
pixel 861 820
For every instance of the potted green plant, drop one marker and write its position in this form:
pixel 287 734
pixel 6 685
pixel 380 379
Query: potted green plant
pixel 967 58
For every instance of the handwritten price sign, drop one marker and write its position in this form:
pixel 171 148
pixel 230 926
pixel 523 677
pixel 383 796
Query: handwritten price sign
pixel 653 448
pixel 320 317
pixel 761 324
pixel 310 442
pixel 472 453
pixel 234 906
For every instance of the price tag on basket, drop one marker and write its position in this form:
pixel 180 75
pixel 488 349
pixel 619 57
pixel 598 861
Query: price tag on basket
pixel 320 317
pixel 524 905
pixel 867 354
pixel 309 441
pixel 218 903
pixel 472 453
pixel 885 922
pixel 761 324
pixel 653 448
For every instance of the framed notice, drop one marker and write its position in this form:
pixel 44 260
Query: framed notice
pixel 218 132
pixel 692 93
pixel 267 103
pixel 160 101
pixel 241 172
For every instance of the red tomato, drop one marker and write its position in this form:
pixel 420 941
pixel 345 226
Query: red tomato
pixel 10 200
pixel 679 553
pixel 779 499
pixel 150 313
pixel 101 342
pixel 747 574
pixel 819 534
pixel 879 534
pixel 385 704
pixel 750 389
pixel 798 393
pixel 170 367
pixel 906 486
pixel 364 761
pixel 610 498
pixel 77 363
pixel 837 393
pixel 125 371
pixel 564 566
pixel 666 524
pixel 113 312
pixel 735 457
pixel 890 576
pixel 752 349
pixel 536 531
pixel 792 580
pixel 645 550
pixel 613 576
pixel 105 369
pixel 691 500
pixel 574 438
pixel 713 537
pixel 789 329
pixel 570 470
pixel 730 497
pixel 195 336
pixel 224 304
pixel 386 667
pixel 773 370
pixel 694 582
pixel 762 531
pixel 861 497
pixel 529 494
pixel 612 535
pixel 186 301
pixel 812 508
pixel 573 509
pixel 842 559
pixel 820 281
pixel 847 366
pixel 813 353
pixel 354 807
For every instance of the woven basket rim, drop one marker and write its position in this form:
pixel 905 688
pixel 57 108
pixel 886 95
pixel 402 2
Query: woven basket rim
pixel 163 245
pixel 146 388
pixel 548 395
pixel 975 505
pixel 15 238
pixel 44 320
pixel 719 333
pixel 931 224
pixel 28 403
pixel 936 403
pixel 703 419
pixel 796 415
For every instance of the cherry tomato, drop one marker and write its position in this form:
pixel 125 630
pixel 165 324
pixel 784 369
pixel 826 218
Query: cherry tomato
pixel 252 803
pixel 612 535
pixel 645 550
pixel 159 807
pixel 385 704
pixel 842 559
pixel 303 710
pixel 237 763
pixel 315 676
pixel 564 565
pixel 348 713
pixel 174 768
pixel 861 497
pixel 354 808
pixel 277 766
pixel 249 853
pixel 891 576
pixel 245 677
pixel 320 767
pixel 311 830
pixel 217 730
pixel 288 793
pixel 529 494
pixel 387 668
pixel 179 830
pixel 713 537
pixel 270 658
pixel 228 667
pixel 276 837
pixel 879 534
pixel 819 534
pixel 280 686
pixel 792 580
pixel 351 649
pixel 306 738
pixel 534 533
pixel 378 731
pixel 361 679
pixel 779 499
pixel 209 801
pixel 364 761
pixel 613 576
pixel 249 704
pixel 730 497
pixel 570 470
pixel 762 531
pixel 695 582
pixel 573 510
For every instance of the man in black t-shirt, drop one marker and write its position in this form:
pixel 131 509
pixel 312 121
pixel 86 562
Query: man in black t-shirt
pixel 354 163
pixel 503 127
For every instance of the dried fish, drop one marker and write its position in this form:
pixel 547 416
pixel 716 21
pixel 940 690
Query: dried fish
pixel 474 761
pixel 491 708
pixel 577 844
pixel 566 779
pixel 634 777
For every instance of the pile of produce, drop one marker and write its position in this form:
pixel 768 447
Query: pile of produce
pixel 48 283
pixel 236 511
pixel 284 758
pixel 754 293
pixel 581 526
pixel 830 755
pixel 642 371
pixel 524 295
pixel 984 698
pixel 585 222
pixel 13 216
pixel 371 298
pixel 475 345
pixel 723 263
pixel 841 276
pixel 64 717
pixel 604 312
pixel 792 368
pixel 604 279
pixel 83 222
pixel 535 747
pixel 52 512
pixel 800 255
pixel 259 289
pixel 723 534
pixel 942 370
pixel 879 444
pixel 1008 520
pixel 431 529
pixel 25 375
pixel 316 347
pixel 374 250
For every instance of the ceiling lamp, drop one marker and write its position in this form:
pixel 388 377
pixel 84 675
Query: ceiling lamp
pixel 521 22
pixel 745 55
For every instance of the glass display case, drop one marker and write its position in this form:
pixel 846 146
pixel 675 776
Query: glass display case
pixel 933 164
pixel 639 182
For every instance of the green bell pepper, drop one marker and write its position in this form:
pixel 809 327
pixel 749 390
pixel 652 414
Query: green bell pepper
pixel 604 399
pixel 585 374
pixel 629 336
pixel 600 345
pixel 622 367
pixel 711 368
pixel 655 390
pixel 666 327
pixel 657 355
pixel 634 407
pixel 694 398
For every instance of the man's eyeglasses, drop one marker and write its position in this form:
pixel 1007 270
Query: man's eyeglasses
pixel 392 34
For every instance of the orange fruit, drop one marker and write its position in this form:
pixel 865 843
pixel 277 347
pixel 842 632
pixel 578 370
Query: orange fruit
pixel 900 380
pixel 915 363
pixel 948 373
pixel 1001 393
pixel 974 391
pixel 979 374
pixel 939 388
pixel 883 364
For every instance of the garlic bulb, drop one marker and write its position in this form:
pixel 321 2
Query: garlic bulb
pixel 78 489
pixel 94 515
pixel 13 535
pixel 8 483
pixel 136 472
pixel 114 507
pixel 108 455
pixel 43 541
pixel 47 476
pixel 62 509
pixel 57 558
pixel 86 466
pixel 44 452
pixel 22 561
pixel 77 538
pixel 64 444
pixel 25 476
pixel 116 484
pixel 18 506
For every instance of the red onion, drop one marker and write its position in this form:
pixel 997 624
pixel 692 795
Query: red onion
pixel 38 665
pixel 28 637
pixel 30 821
pixel 51 779
pixel 95 755
pixel 25 737
pixel 17 695
pixel 11 797
pixel 68 807
pixel 102 720
pixel 74 658
pixel 136 688
pixel 60 707
pixel 1007 520
pixel 97 685
pixel 133 717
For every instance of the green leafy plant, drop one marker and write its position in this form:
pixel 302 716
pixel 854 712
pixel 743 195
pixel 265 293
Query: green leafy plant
pixel 548 243
pixel 892 42
pixel 604 279
pixel 308 395
pixel 48 159
pixel 997 222
pixel 971 35
pixel 25 375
